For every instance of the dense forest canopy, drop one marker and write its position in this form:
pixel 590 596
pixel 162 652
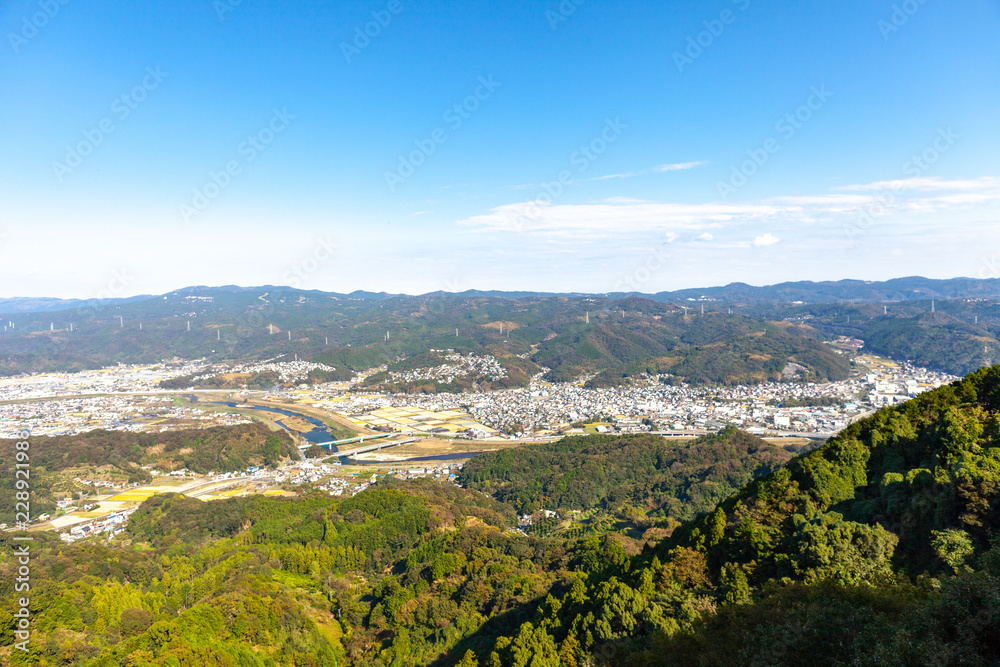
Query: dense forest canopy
pixel 879 547
pixel 745 335
pixel 120 456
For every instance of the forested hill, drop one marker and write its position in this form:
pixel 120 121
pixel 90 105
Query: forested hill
pixel 661 478
pixel 878 548
pixel 886 487
pixel 119 456
pixel 747 333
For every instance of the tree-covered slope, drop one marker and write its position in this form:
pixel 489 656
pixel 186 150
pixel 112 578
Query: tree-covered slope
pixel 661 478
pixel 878 548
pixel 119 456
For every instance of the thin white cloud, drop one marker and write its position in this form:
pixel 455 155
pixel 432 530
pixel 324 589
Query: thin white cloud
pixel 705 237
pixel 679 166
pixel 765 240
pixel 927 184
pixel 614 217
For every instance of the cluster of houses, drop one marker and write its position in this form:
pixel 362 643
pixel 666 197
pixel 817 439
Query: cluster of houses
pixel 545 409
pixel 71 416
pixel 287 371
pixel 461 365
pixel 109 526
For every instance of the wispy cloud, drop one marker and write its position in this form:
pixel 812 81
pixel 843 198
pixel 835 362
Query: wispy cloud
pixel 680 166
pixel 613 217
pixel 617 216
pixel 927 184
pixel 913 194
pixel 765 240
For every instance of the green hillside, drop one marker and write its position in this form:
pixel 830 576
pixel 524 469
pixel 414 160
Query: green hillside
pixel 660 478
pixel 118 456
pixel 878 548
pixel 623 339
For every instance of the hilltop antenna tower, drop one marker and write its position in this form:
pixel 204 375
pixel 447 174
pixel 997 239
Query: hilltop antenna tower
pixel 218 334
pixel 885 310
pixel 588 317
pixel 327 339
pixel 121 321
pixel 189 325
pixel 289 335
pixel 933 306
pixel 702 309
pixel 270 329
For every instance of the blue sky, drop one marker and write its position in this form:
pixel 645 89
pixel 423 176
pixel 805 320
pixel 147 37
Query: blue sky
pixel 582 145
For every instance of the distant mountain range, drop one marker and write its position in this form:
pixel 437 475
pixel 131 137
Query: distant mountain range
pixel 913 288
pixel 737 334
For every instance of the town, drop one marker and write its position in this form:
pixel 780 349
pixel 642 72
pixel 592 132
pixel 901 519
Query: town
pixel 129 398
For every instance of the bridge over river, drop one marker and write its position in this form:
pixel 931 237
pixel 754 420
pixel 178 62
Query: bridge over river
pixel 333 446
